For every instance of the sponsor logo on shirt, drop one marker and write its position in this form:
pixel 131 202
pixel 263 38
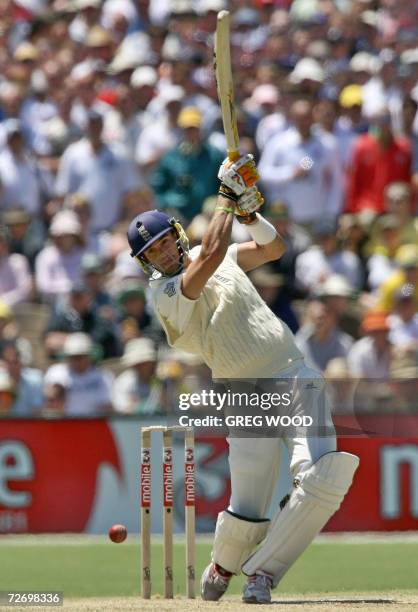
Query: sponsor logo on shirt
pixel 170 289
pixel 222 279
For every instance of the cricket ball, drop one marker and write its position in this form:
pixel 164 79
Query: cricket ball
pixel 118 533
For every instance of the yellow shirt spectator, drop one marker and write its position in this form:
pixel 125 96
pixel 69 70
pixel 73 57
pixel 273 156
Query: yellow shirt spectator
pixel 407 258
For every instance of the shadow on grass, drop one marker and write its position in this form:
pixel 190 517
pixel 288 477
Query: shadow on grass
pixel 340 600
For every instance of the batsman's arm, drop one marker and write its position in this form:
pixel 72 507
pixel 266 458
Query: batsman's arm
pixel 267 245
pixel 212 252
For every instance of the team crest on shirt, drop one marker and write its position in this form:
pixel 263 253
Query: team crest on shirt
pixel 170 289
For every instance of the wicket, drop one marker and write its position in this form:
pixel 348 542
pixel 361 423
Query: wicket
pixel 189 508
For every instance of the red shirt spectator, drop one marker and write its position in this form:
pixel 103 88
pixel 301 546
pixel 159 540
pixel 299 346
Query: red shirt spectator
pixel 378 159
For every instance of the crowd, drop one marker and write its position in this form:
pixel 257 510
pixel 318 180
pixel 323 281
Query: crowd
pixel 109 108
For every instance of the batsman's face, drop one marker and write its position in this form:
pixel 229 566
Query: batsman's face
pixel 164 254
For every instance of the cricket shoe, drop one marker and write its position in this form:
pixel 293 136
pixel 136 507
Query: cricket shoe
pixel 213 584
pixel 257 589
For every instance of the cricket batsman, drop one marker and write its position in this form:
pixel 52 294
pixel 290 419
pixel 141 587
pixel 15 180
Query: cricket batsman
pixel 208 306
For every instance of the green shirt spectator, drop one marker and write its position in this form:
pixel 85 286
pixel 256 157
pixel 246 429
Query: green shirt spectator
pixel 187 174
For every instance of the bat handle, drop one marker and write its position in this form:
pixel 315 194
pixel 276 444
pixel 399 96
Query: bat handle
pixel 233 155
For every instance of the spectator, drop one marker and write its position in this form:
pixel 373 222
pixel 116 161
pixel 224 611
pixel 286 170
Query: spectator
pixel 7 392
pixel 340 385
pixel 37 110
pixel 187 174
pixel 88 389
pixel 370 356
pixel 125 123
pixel 9 333
pixel 76 313
pixel 15 279
pixel 54 401
pixel 57 266
pixel 350 123
pixel 270 285
pixel 133 317
pixel 94 242
pixel 381 263
pixel 382 90
pixel 379 158
pixel 87 16
pixel 296 239
pixel 403 322
pixel 298 167
pixel 398 201
pixel 337 293
pixel 323 259
pixel 94 275
pixel 320 339
pixel 409 114
pixel 27 383
pixel 125 269
pixel 102 173
pixel 161 135
pixel 407 260
pixel 325 113
pixel 6 317
pixel 137 390
pixel 12 95
pixel 265 99
pixel 20 177
pixel 353 231
pixel 404 380
pixel 26 233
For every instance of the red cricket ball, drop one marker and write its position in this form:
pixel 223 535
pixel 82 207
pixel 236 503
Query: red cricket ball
pixel 118 533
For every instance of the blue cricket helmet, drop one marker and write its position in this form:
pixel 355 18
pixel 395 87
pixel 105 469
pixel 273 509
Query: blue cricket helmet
pixel 147 228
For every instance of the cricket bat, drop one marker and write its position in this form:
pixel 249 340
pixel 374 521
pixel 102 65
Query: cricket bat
pixel 223 73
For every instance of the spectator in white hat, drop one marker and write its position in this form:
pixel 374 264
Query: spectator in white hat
pixel 134 51
pixel 58 265
pixel 308 74
pixel 337 293
pixel 87 15
pixel 88 388
pixel 137 390
pixel 119 16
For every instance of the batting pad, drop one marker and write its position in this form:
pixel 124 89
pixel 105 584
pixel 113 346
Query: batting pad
pixel 317 495
pixel 235 539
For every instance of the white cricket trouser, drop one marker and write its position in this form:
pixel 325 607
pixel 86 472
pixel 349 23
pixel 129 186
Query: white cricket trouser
pixel 254 462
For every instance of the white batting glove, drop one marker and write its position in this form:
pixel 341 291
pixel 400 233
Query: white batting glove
pixel 249 202
pixel 240 175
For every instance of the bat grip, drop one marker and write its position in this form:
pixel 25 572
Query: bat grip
pixel 233 155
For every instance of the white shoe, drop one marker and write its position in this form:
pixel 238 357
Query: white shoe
pixel 257 589
pixel 212 584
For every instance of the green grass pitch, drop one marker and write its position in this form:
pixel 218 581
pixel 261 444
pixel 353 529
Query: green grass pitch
pixel 95 567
